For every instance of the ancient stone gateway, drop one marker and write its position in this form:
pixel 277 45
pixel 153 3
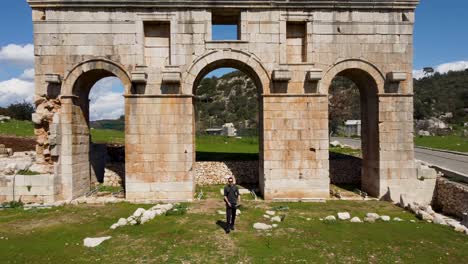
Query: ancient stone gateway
pixel 160 50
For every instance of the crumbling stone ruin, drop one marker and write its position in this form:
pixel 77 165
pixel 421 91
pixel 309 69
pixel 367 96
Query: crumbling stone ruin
pixel 160 50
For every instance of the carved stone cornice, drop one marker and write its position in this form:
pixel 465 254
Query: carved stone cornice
pixel 244 4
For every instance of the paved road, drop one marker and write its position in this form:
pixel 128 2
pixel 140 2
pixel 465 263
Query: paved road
pixel 453 162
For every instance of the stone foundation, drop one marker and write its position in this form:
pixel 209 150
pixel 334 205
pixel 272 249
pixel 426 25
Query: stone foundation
pixel 27 188
pixel 450 197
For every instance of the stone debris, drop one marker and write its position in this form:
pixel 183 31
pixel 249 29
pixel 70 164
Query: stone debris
pixel 220 212
pixel 217 172
pixel 276 219
pixel 274 225
pixel 369 219
pixel 270 213
pixel 344 216
pixel 12 163
pixel 330 218
pixel 372 215
pixel 398 219
pixel 308 219
pixel 335 143
pixel 439 219
pixel 94 242
pixel 424 216
pixel 385 218
pixel 142 216
pixel 266 216
pixel 262 226
pixel 355 220
pixel 460 228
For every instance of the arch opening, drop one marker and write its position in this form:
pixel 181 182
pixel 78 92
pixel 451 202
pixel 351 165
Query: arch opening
pixel 98 132
pixel 354 122
pixel 228 121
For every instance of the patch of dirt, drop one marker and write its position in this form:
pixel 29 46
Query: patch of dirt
pixel 18 143
pixel 207 206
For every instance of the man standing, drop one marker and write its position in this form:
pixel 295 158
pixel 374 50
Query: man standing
pixel 232 199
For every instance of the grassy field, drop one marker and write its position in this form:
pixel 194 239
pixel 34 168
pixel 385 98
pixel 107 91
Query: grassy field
pixel 56 236
pixel 108 136
pixel 17 128
pixel 452 142
pixel 225 148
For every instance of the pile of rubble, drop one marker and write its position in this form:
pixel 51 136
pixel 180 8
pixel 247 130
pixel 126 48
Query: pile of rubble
pixel 209 173
pixel 112 176
pixel 142 216
pixel 426 213
pixel 12 163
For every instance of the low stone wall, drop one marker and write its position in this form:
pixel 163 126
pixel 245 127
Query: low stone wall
pixel 216 172
pixel 451 198
pixel 27 188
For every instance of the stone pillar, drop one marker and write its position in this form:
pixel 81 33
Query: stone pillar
pixel 295 142
pixel 159 147
pixel 74 170
pixel 396 156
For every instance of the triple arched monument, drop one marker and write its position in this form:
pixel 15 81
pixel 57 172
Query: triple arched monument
pixel 160 50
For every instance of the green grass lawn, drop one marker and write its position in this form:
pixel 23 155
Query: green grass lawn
pixel 107 136
pixel 17 128
pixel 452 142
pixel 56 236
pixel 226 148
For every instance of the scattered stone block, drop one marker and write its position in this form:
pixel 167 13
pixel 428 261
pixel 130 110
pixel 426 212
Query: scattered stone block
pixel 262 226
pixel 439 219
pixel 355 220
pixel 94 242
pixel 344 216
pixel 276 219
pixel 330 218
pixel 385 218
pixel 270 213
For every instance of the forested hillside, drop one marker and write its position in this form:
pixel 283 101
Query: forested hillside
pixel 233 98
pixel 440 94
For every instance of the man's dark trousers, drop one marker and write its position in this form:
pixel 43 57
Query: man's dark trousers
pixel 230 215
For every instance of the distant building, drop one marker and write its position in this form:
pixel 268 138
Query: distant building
pixel 229 130
pixel 353 128
pixel 214 131
pixel 4 118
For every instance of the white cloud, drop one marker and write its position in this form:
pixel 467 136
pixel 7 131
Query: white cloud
pixel 15 90
pixel 27 74
pixel 17 54
pixel 443 68
pixel 106 103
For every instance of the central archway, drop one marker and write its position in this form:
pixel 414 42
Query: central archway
pixel 230 159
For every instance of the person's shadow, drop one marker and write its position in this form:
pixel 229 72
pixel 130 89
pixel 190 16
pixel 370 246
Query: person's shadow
pixel 222 224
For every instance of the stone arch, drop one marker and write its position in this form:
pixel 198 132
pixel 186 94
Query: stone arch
pixel 370 82
pixel 94 70
pixel 243 61
pixel 79 169
pixel 360 68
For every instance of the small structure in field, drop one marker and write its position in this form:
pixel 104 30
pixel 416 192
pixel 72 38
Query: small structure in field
pixel 353 128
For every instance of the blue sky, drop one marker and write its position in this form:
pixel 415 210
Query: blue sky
pixel 441 39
